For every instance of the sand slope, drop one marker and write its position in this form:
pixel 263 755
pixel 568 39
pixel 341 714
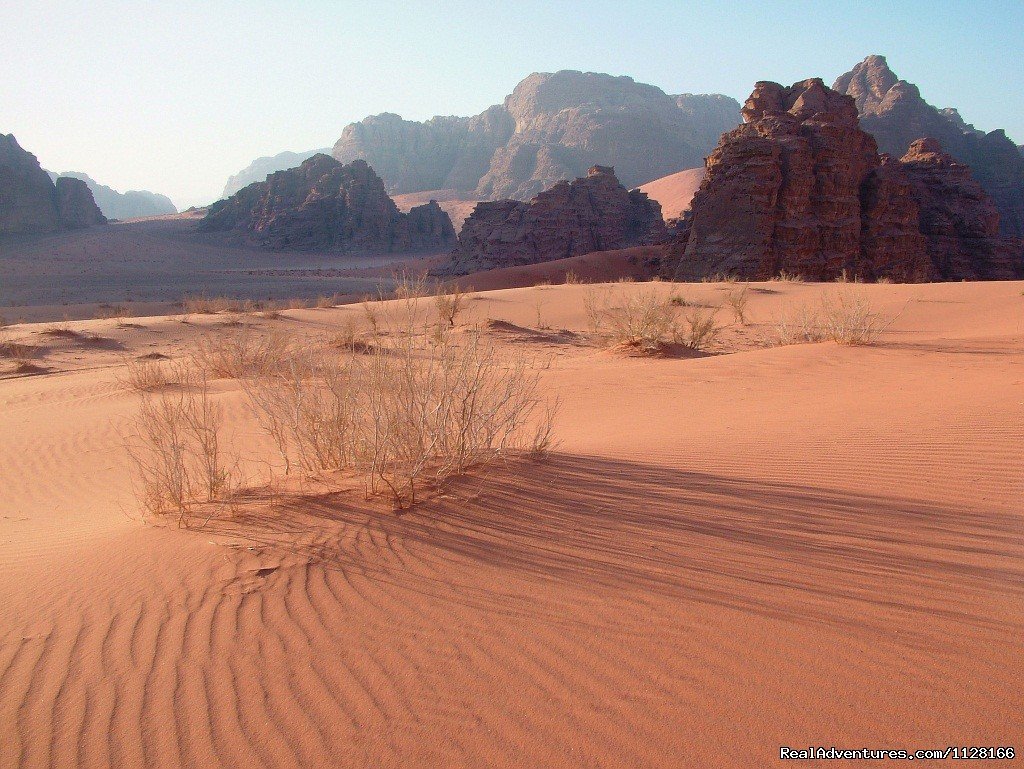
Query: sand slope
pixel 799 545
pixel 675 191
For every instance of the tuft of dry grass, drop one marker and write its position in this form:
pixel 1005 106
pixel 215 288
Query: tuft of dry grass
pixel 788 277
pixel 737 302
pixel 644 321
pixel 147 375
pixel 571 278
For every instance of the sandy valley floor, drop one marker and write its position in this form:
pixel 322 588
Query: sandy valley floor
pixel 810 544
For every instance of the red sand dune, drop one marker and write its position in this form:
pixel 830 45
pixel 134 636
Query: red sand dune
pixel 675 191
pixel 804 545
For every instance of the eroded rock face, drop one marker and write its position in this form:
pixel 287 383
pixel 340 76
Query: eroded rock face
pixel 893 111
pixel 801 188
pixel 553 126
pixel 29 201
pixel 122 205
pixel 957 218
pixel 593 213
pixel 324 205
pixel 75 205
pixel 259 169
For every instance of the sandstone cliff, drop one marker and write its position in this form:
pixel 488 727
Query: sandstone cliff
pixel 553 126
pixel 31 203
pixel 893 111
pixel 594 213
pixel 259 169
pixel 801 188
pixel 122 205
pixel 324 205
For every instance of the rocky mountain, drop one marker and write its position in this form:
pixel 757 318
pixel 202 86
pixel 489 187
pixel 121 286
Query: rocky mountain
pixel 801 188
pixel 593 213
pixel 259 169
pixel 893 111
pixel 553 126
pixel 122 205
pixel 324 205
pixel 31 203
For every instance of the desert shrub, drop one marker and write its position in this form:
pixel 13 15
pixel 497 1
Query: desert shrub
pixel 571 278
pixel 326 302
pixel 239 352
pixel 737 302
pixel 175 446
pixel 449 305
pixel 788 277
pixel 296 303
pixel 145 375
pixel 697 330
pixel 842 316
pixel 848 318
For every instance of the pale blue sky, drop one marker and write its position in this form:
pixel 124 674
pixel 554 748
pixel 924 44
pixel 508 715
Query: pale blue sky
pixel 174 97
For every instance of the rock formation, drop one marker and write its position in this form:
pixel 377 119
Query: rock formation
pixel 553 126
pixel 31 203
pixel 122 205
pixel 594 213
pixel 893 111
pixel 957 218
pixel 259 169
pixel 800 188
pixel 324 205
pixel 76 207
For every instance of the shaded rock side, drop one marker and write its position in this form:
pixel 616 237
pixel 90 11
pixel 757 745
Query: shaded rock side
pixel 593 213
pixel 76 207
pixel 30 203
pixel 958 220
pixel 324 205
pixel 893 111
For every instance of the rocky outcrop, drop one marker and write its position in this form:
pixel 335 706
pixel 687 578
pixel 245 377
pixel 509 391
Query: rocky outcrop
pixel 893 111
pixel 553 126
pixel 594 213
pixel 75 205
pixel 801 188
pixel 122 205
pixel 30 203
pixel 259 169
pixel 324 205
pixel 957 218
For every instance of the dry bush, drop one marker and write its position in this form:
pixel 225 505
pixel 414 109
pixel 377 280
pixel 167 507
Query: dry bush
pixel 175 446
pixel 737 301
pixel 848 318
pixel 698 329
pixel 412 412
pixel 886 280
pixel 572 279
pixel 645 321
pixel 297 304
pixel 61 331
pixel 145 375
pixel 326 302
pixel 842 316
pixel 449 305
pixel 797 325
pixel 239 353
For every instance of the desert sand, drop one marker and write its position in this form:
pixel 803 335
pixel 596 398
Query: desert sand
pixel 675 191
pixel 810 544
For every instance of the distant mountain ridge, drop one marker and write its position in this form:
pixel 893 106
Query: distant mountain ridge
pixel 552 127
pixel 122 205
pixel 893 111
pixel 259 169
